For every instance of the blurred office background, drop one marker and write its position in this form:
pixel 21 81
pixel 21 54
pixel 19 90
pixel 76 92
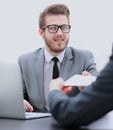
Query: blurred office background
pixel 91 20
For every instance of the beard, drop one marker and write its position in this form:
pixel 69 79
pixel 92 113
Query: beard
pixel 56 45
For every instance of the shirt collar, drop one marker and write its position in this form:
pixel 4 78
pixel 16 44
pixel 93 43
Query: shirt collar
pixel 48 56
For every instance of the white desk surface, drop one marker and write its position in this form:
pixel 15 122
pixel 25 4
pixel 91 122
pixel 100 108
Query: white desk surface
pixel 104 123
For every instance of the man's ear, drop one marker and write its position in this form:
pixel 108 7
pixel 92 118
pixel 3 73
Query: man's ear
pixel 41 32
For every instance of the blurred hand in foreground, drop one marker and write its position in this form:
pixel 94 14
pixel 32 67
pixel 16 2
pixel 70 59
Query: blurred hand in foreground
pixel 59 85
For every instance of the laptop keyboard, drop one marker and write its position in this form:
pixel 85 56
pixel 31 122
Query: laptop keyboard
pixel 36 115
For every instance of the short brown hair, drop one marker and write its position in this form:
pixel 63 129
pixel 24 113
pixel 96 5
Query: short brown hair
pixel 55 9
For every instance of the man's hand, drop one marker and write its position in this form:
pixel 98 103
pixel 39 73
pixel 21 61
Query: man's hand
pixel 85 73
pixel 59 85
pixel 27 106
pixel 67 89
pixel 56 84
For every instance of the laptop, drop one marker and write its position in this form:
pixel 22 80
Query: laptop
pixel 11 95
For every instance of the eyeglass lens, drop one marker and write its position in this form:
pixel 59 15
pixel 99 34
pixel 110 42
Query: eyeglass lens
pixel 54 28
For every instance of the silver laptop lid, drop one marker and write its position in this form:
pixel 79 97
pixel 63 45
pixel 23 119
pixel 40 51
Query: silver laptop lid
pixel 11 97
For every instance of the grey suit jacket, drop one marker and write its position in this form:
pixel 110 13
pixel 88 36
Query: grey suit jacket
pixel 89 105
pixel 32 67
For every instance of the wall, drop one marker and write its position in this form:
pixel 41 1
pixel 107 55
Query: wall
pixel 91 22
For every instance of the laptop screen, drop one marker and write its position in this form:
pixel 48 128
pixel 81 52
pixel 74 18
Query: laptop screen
pixel 11 96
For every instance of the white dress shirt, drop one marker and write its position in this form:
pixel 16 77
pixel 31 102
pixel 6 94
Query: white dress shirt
pixel 48 70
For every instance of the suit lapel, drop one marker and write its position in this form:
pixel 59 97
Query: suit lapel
pixel 66 64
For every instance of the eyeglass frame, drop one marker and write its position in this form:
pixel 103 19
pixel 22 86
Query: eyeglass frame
pixel 58 26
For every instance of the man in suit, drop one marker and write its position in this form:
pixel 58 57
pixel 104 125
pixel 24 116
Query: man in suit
pixel 36 67
pixel 90 104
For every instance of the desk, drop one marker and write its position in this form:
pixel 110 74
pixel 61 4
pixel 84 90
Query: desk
pixel 47 123
pixel 106 122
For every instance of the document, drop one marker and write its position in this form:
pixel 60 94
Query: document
pixel 80 80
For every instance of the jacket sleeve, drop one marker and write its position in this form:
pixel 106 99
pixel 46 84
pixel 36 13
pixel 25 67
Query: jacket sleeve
pixel 89 105
pixel 24 87
pixel 90 64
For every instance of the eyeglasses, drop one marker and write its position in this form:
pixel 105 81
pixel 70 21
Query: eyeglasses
pixel 54 28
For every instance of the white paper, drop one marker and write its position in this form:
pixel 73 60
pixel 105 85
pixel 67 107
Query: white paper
pixel 79 80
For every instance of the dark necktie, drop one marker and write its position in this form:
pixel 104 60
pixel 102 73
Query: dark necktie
pixel 55 68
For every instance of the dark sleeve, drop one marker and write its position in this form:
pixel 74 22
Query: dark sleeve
pixel 90 104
